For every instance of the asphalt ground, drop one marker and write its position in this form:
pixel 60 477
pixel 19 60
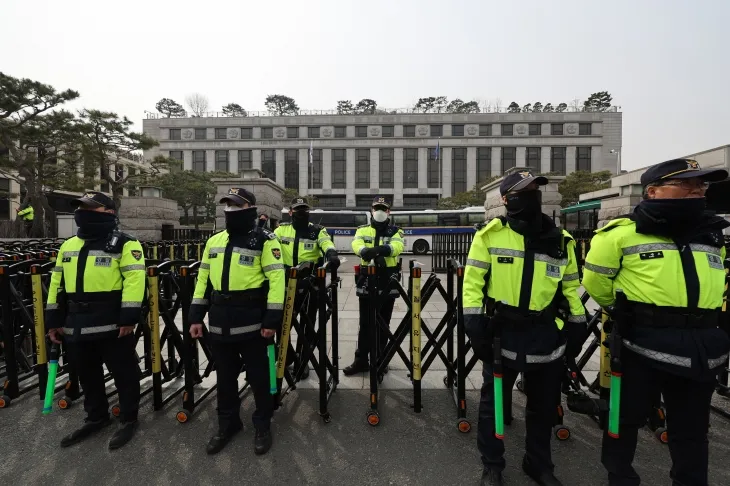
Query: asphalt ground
pixel 406 448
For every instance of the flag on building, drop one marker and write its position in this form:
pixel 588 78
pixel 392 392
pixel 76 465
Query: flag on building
pixel 438 149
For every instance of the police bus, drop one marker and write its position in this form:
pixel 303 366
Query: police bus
pixel 418 226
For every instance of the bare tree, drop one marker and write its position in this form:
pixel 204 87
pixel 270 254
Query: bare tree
pixel 498 105
pixel 576 105
pixel 197 103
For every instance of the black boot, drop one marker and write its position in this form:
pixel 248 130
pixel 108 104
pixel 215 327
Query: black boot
pixel 124 434
pixel 358 366
pixel 219 440
pixel 88 429
pixel 543 478
pixel 491 477
pixel 262 442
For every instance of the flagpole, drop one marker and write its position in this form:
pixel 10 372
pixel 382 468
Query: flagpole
pixel 441 189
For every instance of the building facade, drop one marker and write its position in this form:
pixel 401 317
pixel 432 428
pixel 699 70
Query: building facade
pixel 413 158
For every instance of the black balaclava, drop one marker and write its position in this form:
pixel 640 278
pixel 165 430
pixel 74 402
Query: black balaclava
pixel 524 211
pixel 300 220
pixel 94 225
pixel 673 218
pixel 241 221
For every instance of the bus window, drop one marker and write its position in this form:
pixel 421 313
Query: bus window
pixel 452 219
pixel 401 220
pixel 418 220
pixel 475 218
pixel 360 220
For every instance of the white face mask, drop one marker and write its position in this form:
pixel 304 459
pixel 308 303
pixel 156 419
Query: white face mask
pixel 229 209
pixel 380 216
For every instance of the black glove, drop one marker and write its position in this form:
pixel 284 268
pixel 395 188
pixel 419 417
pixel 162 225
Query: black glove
pixel 368 254
pixel 577 335
pixel 333 259
pixel 477 329
pixel 383 250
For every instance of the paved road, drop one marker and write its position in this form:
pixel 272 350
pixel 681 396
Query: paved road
pixel 406 449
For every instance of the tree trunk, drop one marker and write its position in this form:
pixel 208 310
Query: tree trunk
pixel 195 216
pixel 186 214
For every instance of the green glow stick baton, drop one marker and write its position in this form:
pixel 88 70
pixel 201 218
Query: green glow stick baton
pixel 51 383
pixel 615 404
pixel 498 395
pixel 272 369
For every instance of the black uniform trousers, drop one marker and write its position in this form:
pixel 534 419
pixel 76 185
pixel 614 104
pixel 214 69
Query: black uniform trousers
pixel 542 387
pixel 88 357
pixel 385 304
pixel 687 404
pixel 229 358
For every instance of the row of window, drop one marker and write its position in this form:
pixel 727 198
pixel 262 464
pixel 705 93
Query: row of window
pixel 387 131
pixel 410 201
pixel 386 168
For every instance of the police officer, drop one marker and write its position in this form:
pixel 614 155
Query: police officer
pixel 28 214
pixel 241 286
pixel 665 264
pixel 303 241
pixel 521 267
pixel 94 303
pixel 382 243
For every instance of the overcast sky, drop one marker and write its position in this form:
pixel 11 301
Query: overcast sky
pixel 665 62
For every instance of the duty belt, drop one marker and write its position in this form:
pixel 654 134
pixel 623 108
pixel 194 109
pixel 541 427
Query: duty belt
pixel 77 307
pixel 237 298
pixel 519 317
pixel 645 315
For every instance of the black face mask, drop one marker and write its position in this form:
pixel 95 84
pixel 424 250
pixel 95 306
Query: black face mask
pixel 525 205
pixel 242 221
pixel 93 225
pixel 674 218
pixel 262 223
pixel 300 220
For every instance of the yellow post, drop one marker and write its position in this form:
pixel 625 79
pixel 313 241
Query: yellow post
pixel 605 381
pixel 154 319
pixel 154 252
pixel 185 250
pixel 416 323
pixel 38 321
pixel 291 292
pixel 172 251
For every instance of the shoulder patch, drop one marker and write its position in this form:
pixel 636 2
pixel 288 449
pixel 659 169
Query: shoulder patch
pixel 288 223
pixel 392 230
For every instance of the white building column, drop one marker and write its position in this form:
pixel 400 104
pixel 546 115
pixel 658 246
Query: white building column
pixel 521 160
pixel 233 161
pixel 326 168
pixel 497 161
pixel 446 171
pixel 279 154
pixel 187 160
pixel 545 162
pixel 209 160
pixel 471 168
pixel 256 159
pixel 423 168
pixel 597 164
pixel 398 177
pixel 350 175
pixel 374 168
pixel 303 167
pixel 570 162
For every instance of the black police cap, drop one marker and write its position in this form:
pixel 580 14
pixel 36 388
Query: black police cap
pixel 299 202
pixel 94 199
pixel 681 169
pixel 381 201
pixel 519 180
pixel 239 196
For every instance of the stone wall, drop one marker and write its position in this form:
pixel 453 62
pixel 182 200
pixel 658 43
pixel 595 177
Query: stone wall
pixel 268 194
pixel 551 198
pixel 143 217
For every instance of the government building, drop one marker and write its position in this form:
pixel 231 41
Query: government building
pixel 414 159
